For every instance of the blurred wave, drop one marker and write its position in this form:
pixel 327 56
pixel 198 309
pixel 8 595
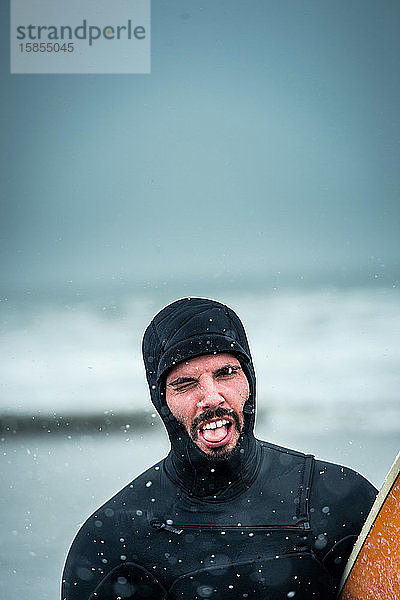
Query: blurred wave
pixel 322 351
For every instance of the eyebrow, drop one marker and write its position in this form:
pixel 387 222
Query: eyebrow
pixel 181 380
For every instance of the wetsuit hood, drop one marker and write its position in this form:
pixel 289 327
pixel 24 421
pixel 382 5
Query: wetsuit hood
pixel 182 330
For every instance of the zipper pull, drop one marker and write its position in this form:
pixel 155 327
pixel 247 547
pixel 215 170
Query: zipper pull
pixel 162 525
pixel 304 524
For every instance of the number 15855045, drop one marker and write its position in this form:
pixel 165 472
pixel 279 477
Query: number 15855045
pixel 46 47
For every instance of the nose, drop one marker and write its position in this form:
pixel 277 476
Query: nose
pixel 209 395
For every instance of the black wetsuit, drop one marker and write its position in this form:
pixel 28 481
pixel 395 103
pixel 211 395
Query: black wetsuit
pixel 268 523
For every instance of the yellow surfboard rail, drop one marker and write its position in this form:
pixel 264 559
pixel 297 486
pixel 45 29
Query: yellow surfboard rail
pixel 373 567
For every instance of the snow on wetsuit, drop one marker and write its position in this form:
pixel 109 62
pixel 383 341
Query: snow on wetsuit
pixel 267 523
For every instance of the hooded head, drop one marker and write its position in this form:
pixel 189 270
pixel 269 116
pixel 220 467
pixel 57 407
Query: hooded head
pixel 183 330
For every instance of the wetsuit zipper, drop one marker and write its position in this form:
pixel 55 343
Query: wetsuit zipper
pixel 179 529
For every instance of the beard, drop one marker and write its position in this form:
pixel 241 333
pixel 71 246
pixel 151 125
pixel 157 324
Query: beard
pixel 219 453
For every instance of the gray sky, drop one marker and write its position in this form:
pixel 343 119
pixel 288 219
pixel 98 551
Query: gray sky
pixel 265 140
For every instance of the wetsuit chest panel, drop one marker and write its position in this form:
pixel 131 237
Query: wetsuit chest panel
pixel 297 577
pixel 240 543
pixel 229 553
pixel 128 581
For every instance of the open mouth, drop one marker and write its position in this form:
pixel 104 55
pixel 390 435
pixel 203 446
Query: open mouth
pixel 216 432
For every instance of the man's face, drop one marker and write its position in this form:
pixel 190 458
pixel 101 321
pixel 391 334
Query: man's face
pixel 207 394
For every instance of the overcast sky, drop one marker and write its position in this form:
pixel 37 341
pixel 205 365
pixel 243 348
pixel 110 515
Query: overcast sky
pixel 265 140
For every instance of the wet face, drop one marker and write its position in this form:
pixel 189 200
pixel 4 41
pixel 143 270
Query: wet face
pixel 207 394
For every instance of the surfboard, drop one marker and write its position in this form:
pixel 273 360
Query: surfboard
pixel 373 569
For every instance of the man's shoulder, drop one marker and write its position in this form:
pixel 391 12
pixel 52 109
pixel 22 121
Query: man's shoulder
pixel 323 466
pixel 340 493
pixel 127 502
pixel 281 450
pixel 330 476
pixel 135 490
pixel 335 478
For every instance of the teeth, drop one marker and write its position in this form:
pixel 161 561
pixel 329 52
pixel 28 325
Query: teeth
pixel 216 424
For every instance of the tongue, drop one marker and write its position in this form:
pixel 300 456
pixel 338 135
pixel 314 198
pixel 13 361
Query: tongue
pixel 215 435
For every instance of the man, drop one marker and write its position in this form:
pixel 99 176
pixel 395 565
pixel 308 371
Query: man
pixel 224 515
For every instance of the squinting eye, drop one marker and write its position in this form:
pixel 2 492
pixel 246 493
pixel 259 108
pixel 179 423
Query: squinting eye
pixel 184 387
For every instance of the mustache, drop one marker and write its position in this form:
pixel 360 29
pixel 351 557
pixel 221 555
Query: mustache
pixel 217 413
